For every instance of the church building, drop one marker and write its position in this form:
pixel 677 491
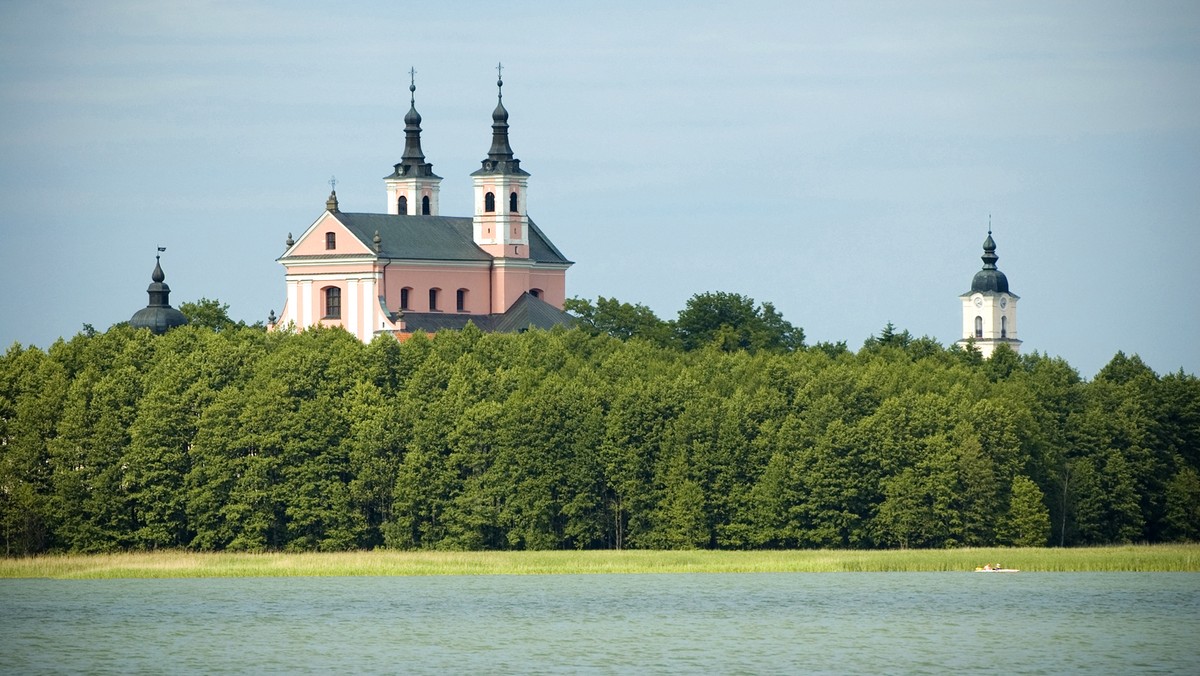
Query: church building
pixel 989 308
pixel 413 269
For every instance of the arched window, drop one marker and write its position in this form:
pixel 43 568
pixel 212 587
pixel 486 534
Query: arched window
pixel 333 303
pixel 461 300
pixel 489 202
pixel 512 203
pixel 979 327
pixel 433 297
pixel 425 205
pixel 404 298
pixel 402 206
pixel 536 293
pixel 330 240
pixel 1004 327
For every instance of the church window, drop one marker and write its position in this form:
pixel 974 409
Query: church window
pixel 512 203
pixel 536 293
pixel 402 206
pixel 425 205
pixel 433 299
pixel 979 327
pixel 330 240
pixel 404 298
pixel 1004 327
pixel 489 202
pixel 333 303
pixel 461 300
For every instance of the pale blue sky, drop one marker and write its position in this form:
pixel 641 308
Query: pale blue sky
pixel 838 159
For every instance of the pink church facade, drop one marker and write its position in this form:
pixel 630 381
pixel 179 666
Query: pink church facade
pixel 412 269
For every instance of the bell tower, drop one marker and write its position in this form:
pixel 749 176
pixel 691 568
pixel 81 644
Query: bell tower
pixel 500 224
pixel 412 189
pixel 989 308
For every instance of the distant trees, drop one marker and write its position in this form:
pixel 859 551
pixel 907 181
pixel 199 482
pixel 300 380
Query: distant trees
pixel 727 321
pixel 618 434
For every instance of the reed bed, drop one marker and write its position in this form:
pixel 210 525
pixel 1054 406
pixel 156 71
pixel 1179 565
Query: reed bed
pixel 174 564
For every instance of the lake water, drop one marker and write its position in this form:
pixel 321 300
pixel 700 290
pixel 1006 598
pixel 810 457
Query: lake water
pixel 872 623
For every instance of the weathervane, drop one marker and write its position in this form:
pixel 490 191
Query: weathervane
pixel 333 183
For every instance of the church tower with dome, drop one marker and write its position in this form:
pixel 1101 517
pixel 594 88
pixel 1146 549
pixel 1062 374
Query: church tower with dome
pixel 989 309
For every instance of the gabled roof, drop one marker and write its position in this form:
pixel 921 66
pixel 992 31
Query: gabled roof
pixel 528 311
pixel 439 238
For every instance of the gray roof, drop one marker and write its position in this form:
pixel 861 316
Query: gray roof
pixel 528 311
pixel 440 238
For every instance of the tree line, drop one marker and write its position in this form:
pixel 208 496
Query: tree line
pixel 718 430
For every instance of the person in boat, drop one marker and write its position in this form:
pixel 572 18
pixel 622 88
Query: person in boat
pixel 987 566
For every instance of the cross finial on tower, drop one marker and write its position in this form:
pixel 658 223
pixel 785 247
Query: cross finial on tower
pixel 989 224
pixel 499 79
pixel 412 86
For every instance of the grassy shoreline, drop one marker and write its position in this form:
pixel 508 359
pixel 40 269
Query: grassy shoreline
pixel 175 564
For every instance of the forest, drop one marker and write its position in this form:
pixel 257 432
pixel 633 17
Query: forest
pixel 720 429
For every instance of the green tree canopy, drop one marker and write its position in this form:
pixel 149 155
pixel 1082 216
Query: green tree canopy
pixel 733 322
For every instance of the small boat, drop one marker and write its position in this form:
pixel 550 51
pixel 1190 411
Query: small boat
pixel 990 569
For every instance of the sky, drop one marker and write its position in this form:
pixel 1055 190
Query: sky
pixel 841 160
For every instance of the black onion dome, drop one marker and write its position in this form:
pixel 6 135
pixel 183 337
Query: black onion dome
pixel 989 279
pixel 158 315
pixel 500 151
pixel 413 117
pixel 500 158
pixel 412 162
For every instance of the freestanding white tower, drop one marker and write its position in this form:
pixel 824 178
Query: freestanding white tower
pixel 989 308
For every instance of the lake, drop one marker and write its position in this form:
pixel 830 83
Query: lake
pixel 871 623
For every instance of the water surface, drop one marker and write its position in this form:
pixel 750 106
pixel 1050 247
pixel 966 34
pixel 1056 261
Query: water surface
pixel 738 623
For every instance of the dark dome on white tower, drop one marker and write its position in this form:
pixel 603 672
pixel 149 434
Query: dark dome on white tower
pixel 989 308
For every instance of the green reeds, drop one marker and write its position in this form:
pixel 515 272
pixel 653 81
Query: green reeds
pixel 164 564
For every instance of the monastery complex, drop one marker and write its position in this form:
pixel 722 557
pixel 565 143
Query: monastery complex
pixel 413 269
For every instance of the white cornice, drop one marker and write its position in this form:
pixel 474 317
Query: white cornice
pixel 320 261
pixel 328 276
